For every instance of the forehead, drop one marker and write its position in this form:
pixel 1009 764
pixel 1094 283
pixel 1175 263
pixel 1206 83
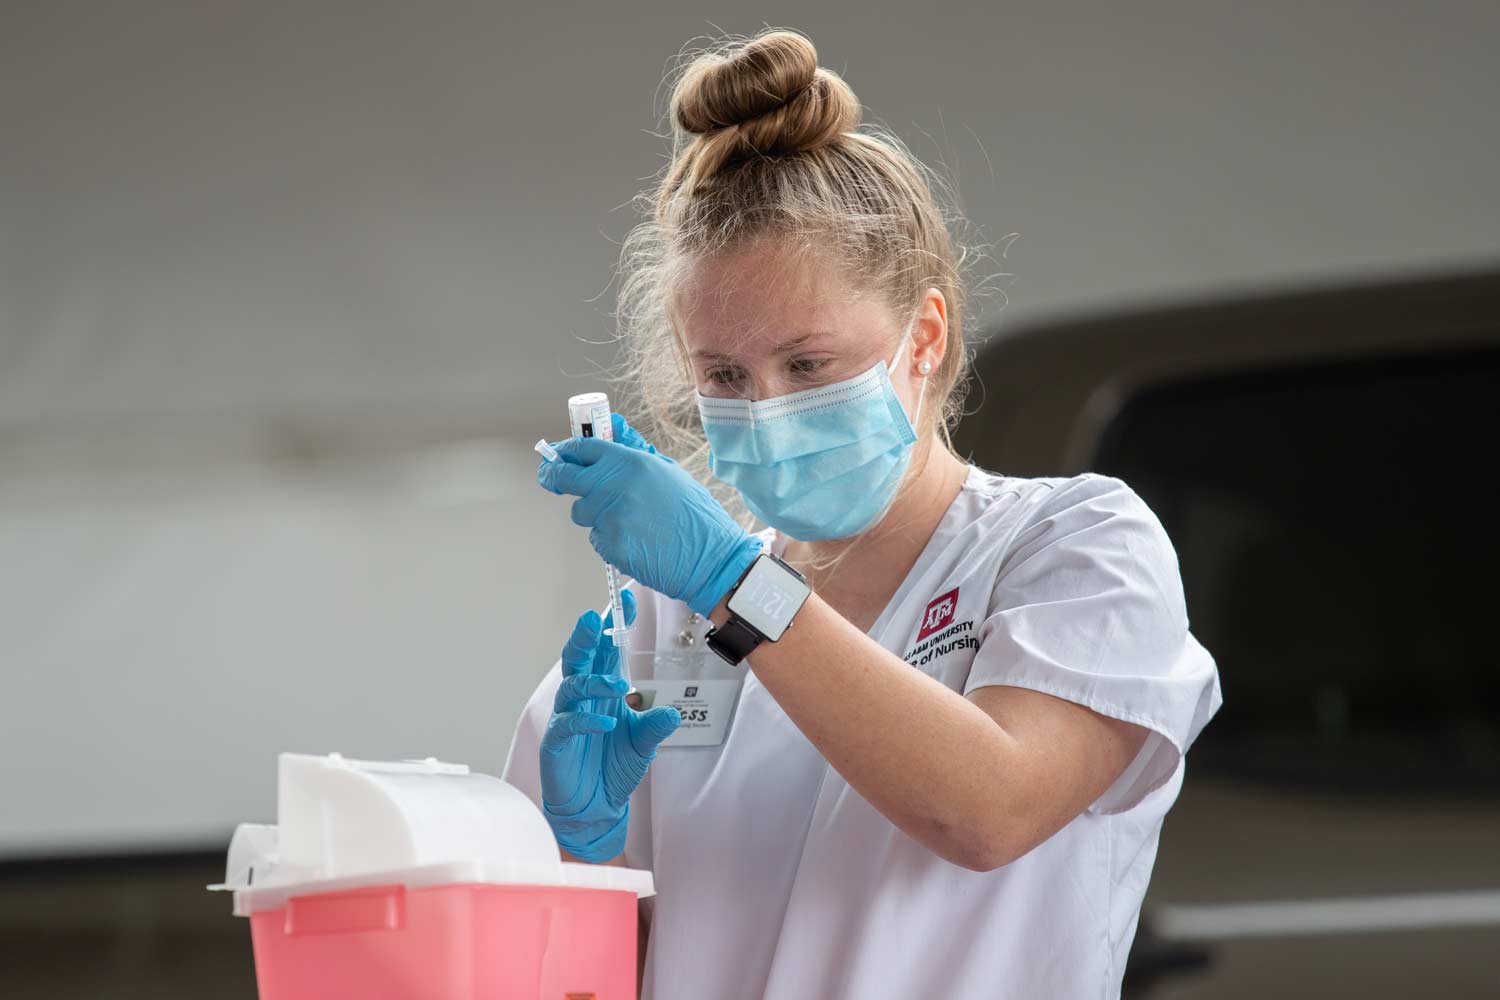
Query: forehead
pixel 748 302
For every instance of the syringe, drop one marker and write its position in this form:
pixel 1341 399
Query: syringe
pixel 588 416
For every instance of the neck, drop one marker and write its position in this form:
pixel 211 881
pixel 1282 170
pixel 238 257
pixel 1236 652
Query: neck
pixel 890 547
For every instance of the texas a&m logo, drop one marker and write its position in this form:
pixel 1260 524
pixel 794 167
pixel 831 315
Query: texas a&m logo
pixel 939 614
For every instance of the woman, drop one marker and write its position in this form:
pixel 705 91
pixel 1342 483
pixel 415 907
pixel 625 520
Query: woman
pixel 954 745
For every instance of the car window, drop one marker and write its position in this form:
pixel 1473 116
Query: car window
pixel 1339 540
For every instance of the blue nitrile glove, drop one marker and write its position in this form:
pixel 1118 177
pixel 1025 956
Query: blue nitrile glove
pixel 650 518
pixel 592 760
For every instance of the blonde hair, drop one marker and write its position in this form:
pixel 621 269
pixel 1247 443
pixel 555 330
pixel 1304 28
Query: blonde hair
pixel 768 145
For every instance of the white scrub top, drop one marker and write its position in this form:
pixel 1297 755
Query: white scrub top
pixel 776 879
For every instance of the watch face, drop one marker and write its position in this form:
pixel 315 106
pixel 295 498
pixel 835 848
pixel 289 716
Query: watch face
pixel 768 598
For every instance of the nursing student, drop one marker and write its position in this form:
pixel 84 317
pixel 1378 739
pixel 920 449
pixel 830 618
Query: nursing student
pixel 917 737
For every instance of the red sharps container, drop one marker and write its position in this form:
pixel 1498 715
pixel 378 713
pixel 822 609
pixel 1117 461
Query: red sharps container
pixel 420 880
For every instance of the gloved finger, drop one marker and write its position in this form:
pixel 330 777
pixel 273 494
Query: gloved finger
pixel 607 660
pixel 566 477
pixel 627 600
pixel 582 451
pixel 630 437
pixel 652 727
pixel 583 645
pixel 544 461
pixel 563 726
pixel 584 687
pixel 588 508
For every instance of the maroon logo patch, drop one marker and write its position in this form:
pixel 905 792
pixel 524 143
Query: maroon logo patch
pixel 939 614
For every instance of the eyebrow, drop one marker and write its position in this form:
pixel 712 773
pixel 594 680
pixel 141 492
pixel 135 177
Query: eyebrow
pixel 784 347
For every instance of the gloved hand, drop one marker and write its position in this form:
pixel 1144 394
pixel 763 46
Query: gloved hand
pixel 594 753
pixel 649 518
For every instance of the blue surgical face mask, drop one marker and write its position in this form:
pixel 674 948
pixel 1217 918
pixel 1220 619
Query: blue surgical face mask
pixel 820 463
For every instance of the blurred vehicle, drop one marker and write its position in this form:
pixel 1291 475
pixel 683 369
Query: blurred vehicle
pixel 1320 460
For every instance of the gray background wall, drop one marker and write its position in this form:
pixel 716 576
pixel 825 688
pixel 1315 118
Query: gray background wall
pixel 286 291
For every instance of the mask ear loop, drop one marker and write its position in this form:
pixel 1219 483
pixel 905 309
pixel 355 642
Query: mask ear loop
pixel 891 368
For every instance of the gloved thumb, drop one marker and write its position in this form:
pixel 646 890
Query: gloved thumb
pixel 655 726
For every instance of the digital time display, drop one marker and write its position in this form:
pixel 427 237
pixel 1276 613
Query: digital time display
pixel 768 598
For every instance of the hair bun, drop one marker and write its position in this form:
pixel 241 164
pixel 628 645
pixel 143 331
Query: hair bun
pixel 770 90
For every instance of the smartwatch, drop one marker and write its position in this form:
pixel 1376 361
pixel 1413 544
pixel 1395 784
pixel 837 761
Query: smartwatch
pixel 762 604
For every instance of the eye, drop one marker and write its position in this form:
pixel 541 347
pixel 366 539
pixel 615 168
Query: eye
pixel 724 375
pixel 806 366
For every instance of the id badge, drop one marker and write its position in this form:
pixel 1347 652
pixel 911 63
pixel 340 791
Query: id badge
pixel 700 685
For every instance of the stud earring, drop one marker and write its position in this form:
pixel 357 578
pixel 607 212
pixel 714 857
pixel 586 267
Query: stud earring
pixel 924 367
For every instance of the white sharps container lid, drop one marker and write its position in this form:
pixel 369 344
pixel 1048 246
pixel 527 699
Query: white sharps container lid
pixel 345 823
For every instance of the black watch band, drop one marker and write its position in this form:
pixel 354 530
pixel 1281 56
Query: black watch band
pixel 733 640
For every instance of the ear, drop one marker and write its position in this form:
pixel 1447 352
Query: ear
pixel 930 332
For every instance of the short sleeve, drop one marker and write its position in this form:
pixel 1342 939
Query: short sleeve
pixel 1088 605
